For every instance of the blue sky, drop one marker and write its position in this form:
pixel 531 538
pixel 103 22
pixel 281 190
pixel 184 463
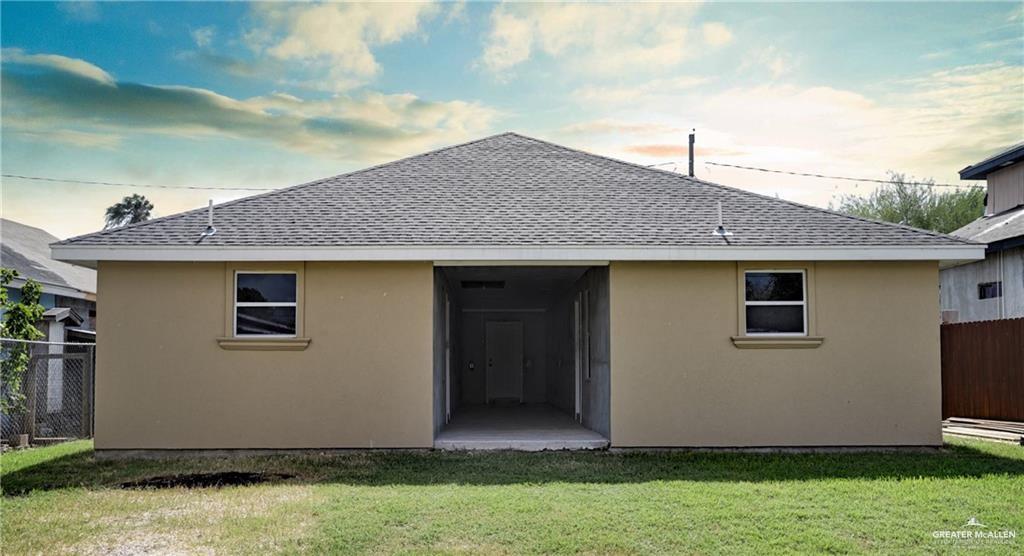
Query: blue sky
pixel 244 95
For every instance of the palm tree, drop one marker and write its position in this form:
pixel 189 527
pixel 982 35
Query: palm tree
pixel 131 210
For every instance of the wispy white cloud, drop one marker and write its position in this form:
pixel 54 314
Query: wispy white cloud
pixel 1016 14
pixel 776 61
pixel 678 150
pixel 596 38
pixel 929 125
pixel 57 62
pixel 456 12
pixel 509 43
pixel 616 126
pixel 960 112
pixel 937 54
pixel 637 92
pixel 29 130
pixel 57 92
pixel 203 36
pixel 716 34
pixel 82 10
pixel 262 68
pixel 335 39
pixel 1017 42
pixel 934 122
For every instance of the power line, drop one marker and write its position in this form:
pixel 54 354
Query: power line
pixel 847 178
pixel 812 175
pixel 119 184
pixel 202 188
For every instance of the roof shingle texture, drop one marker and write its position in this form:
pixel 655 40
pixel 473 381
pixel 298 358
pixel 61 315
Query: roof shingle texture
pixel 511 190
pixel 27 250
pixel 989 229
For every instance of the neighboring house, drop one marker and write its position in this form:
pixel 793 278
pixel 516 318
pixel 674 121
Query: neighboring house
pixel 69 299
pixel 992 288
pixel 510 292
pixel 65 286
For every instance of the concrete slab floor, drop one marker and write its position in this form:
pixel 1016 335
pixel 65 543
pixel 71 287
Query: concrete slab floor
pixel 528 428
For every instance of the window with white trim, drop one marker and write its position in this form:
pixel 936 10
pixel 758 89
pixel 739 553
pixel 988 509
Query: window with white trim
pixel 775 302
pixel 265 304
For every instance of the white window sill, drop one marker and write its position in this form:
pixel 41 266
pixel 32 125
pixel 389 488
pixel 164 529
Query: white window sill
pixel 264 344
pixel 777 342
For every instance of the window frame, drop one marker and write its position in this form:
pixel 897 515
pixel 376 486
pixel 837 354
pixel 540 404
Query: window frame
pixel 802 303
pixel 235 304
pixel 997 289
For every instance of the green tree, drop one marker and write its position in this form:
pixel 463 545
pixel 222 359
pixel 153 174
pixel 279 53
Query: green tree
pixel 922 206
pixel 19 323
pixel 132 209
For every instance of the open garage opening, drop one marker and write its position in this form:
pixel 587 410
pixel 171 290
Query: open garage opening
pixel 521 357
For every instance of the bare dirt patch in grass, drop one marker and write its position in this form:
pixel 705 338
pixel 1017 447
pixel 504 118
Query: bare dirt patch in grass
pixel 251 519
pixel 142 542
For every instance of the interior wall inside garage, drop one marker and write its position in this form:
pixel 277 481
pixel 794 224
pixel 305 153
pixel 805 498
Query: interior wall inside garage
pixel 543 300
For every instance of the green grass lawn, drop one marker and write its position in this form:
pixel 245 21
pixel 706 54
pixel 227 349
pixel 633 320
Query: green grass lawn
pixel 61 499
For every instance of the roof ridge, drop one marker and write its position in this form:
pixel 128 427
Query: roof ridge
pixel 318 181
pixel 751 193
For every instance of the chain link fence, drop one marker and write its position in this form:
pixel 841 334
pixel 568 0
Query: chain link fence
pixel 56 394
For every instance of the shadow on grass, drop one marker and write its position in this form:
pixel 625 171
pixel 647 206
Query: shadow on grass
pixel 81 469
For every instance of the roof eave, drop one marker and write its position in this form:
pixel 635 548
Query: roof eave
pixel 1005 244
pixel 56 289
pixel 982 169
pixel 91 255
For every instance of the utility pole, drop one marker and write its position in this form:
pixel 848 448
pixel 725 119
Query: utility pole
pixel 693 138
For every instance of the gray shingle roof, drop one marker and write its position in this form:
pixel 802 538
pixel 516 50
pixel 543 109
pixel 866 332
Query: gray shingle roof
pixel 511 190
pixel 989 229
pixel 26 249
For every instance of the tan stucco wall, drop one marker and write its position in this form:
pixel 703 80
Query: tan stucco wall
pixel 163 382
pixel 365 379
pixel 677 379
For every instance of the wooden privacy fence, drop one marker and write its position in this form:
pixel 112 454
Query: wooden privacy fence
pixel 983 369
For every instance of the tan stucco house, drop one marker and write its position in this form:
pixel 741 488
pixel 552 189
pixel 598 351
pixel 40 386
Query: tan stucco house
pixel 510 292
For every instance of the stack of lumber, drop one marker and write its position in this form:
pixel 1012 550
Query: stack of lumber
pixel 989 429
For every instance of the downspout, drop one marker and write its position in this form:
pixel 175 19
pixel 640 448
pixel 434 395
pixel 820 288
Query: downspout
pixel 1002 288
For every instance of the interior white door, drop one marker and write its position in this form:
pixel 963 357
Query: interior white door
pixel 504 346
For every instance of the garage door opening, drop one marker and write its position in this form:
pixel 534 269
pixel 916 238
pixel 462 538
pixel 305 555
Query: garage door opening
pixel 521 357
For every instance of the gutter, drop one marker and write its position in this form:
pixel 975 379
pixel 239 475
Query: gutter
pixel 90 255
